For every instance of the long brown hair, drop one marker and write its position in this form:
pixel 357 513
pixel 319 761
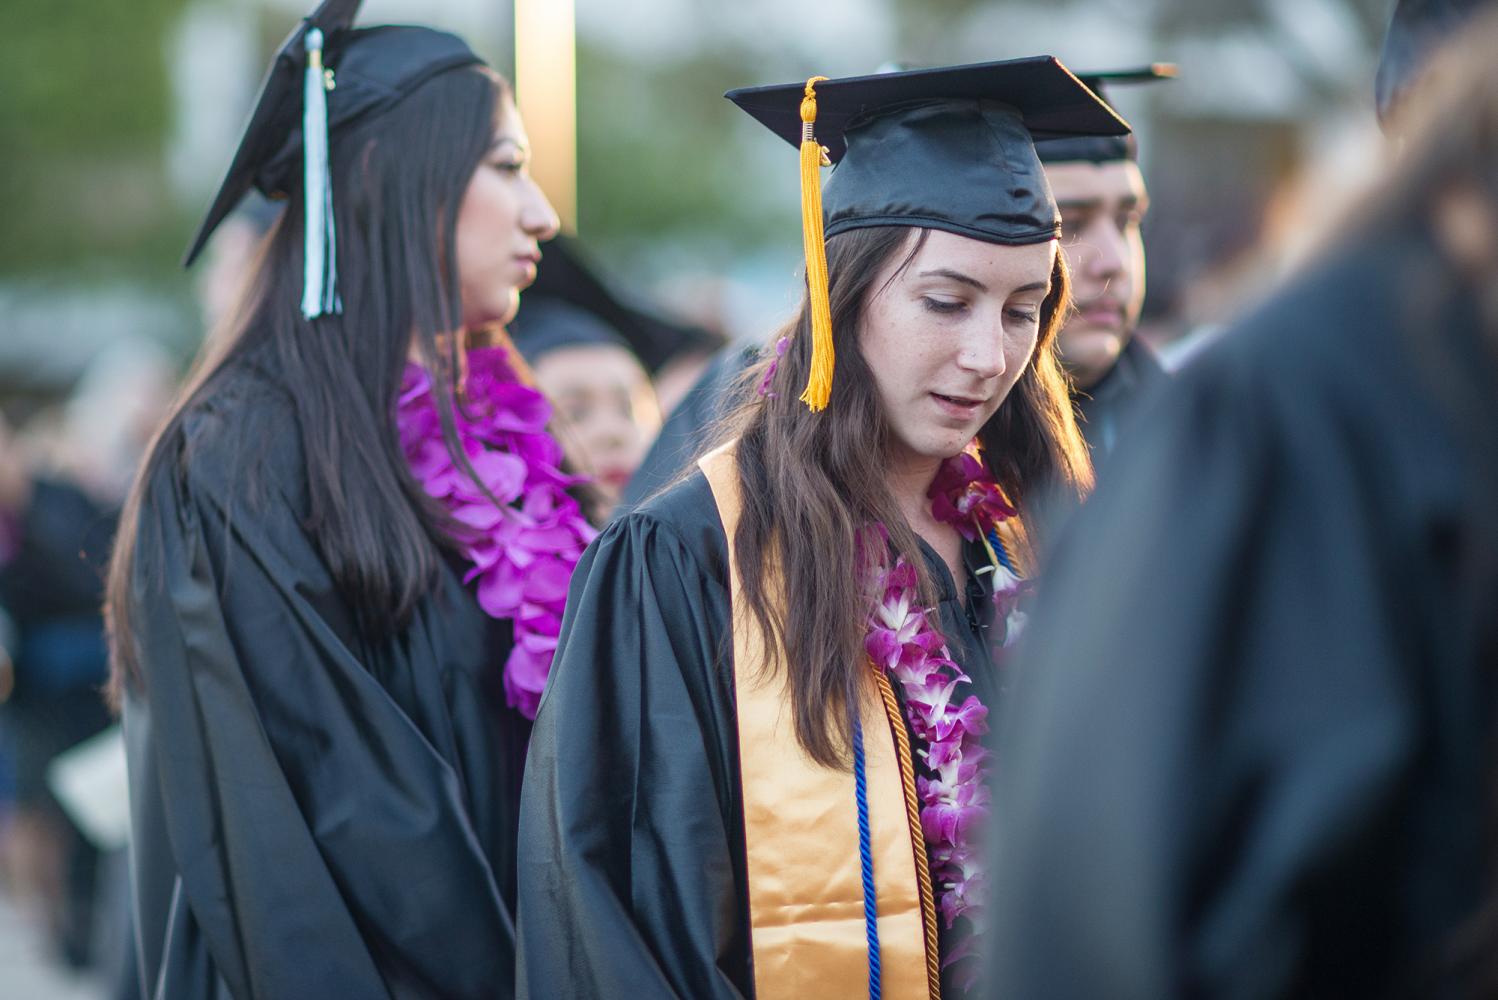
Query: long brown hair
pixel 373 525
pixel 809 481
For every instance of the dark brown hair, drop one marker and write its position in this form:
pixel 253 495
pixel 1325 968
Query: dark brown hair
pixel 401 177
pixel 809 481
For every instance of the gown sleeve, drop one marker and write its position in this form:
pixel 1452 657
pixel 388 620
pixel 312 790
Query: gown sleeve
pixel 631 846
pixel 1214 723
pixel 296 833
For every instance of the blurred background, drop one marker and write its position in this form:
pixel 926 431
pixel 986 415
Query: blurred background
pixel 117 120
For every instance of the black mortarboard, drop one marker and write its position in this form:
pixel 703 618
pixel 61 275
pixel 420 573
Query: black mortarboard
pixel 1417 30
pixel 949 148
pixel 1103 148
pixel 364 72
pixel 552 324
pixel 567 275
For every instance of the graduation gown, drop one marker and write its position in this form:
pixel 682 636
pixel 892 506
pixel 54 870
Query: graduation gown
pixel 317 812
pixel 632 873
pixel 1106 409
pixel 1248 725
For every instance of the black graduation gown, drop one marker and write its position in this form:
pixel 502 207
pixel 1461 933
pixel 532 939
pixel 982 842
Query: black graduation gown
pixel 1248 717
pixel 1107 409
pixel 317 813
pixel 632 871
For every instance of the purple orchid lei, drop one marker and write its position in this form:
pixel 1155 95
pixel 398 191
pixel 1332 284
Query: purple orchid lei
pixel 522 552
pixel 903 641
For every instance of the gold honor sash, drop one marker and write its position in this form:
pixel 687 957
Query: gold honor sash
pixel 801 831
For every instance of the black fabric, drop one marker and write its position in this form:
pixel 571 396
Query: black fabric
pixel 1108 408
pixel 1103 148
pixel 1250 714
pixel 632 870
pixel 949 148
pixel 316 812
pixel 568 275
pixel 373 69
pixel 554 324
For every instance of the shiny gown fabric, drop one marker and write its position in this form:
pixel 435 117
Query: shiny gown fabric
pixel 317 812
pixel 632 877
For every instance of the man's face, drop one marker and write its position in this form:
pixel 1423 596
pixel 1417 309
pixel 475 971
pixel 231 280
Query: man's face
pixel 1102 205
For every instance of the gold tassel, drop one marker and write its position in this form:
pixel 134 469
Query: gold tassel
pixel 814 157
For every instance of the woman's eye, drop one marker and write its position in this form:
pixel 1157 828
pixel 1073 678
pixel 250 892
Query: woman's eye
pixel 508 166
pixel 1024 315
pixel 944 306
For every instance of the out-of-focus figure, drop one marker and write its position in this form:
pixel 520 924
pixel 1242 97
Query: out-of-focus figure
pixel 54 539
pixel 1103 200
pixel 603 397
pixel 1263 764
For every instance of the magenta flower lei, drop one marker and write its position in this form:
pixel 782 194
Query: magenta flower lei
pixel 903 641
pixel 522 553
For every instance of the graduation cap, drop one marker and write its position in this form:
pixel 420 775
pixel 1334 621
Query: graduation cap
pixel 949 148
pixel 552 324
pixel 1417 30
pixel 325 76
pixel 1104 148
pixel 566 276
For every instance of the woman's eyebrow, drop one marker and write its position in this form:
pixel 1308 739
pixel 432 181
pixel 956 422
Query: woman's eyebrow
pixel 945 272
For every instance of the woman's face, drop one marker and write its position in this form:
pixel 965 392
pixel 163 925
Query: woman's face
pixel 947 337
pixel 502 221
pixel 610 409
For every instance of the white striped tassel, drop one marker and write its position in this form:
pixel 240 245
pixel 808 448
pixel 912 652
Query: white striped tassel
pixel 320 274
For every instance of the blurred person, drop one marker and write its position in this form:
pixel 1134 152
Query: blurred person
pixel 1265 763
pixel 229 261
pixel 111 416
pixel 324 724
pixel 54 541
pixel 608 414
pixel 690 425
pixel 725 796
pixel 1103 200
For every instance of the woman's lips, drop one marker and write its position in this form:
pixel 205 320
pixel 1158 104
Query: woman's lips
pixel 960 407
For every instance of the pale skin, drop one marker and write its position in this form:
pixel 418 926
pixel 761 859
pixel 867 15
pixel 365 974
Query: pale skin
pixel 946 339
pixel 1102 206
pixel 502 222
pixel 609 409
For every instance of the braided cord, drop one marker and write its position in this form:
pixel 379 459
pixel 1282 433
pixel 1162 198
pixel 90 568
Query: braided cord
pixel 866 861
pixel 917 835
pixel 1001 554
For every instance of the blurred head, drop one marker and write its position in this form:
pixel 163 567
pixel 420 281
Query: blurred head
pixel 608 409
pixel 1102 206
pixel 502 220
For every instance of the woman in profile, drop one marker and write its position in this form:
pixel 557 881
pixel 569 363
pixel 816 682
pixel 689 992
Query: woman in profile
pixel 759 766
pixel 340 576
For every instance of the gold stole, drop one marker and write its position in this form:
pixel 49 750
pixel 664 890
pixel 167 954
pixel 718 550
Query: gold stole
pixel 801 830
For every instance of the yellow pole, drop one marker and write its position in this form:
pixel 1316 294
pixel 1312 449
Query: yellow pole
pixel 546 91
